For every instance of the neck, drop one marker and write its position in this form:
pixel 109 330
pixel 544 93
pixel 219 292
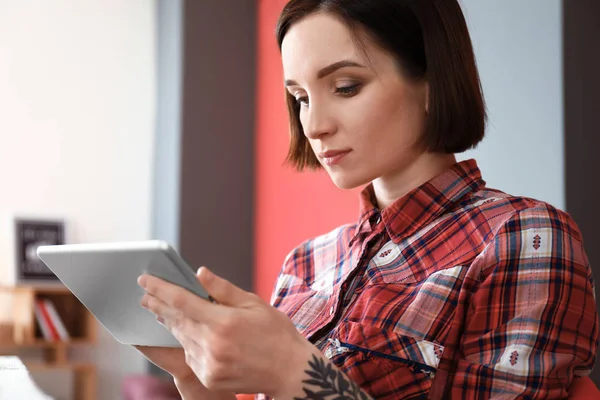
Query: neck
pixel 390 188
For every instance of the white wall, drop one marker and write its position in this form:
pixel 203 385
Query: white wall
pixel 518 45
pixel 77 98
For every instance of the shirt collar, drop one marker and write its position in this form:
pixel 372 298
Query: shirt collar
pixel 421 205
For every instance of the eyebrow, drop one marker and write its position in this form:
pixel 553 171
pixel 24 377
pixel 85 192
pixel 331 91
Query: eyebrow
pixel 328 70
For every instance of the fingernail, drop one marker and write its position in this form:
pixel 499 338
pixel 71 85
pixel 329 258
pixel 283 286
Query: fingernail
pixel 207 275
pixel 142 281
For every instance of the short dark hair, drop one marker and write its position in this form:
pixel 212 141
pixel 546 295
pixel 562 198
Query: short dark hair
pixel 430 40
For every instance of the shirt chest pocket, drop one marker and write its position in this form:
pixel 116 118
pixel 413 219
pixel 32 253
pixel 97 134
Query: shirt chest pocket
pixel 383 363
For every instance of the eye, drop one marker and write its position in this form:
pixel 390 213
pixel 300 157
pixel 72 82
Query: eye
pixel 348 91
pixel 302 101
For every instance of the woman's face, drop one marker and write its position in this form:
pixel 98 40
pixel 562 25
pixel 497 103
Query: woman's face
pixel 361 116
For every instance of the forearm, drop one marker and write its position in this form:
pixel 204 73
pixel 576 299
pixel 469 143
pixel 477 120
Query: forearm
pixel 192 389
pixel 320 379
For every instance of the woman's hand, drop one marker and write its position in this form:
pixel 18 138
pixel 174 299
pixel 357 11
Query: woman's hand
pixel 170 359
pixel 241 344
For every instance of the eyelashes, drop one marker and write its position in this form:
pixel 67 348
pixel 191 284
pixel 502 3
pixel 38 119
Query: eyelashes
pixel 344 91
pixel 348 91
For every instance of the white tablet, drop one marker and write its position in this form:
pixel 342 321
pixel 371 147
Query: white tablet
pixel 103 276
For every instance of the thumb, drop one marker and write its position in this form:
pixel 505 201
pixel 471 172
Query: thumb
pixel 223 291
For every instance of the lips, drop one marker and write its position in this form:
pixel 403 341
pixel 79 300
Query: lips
pixel 333 157
pixel 333 153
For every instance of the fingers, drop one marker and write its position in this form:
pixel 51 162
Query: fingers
pixel 171 301
pixel 188 332
pixel 161 309
pixel 223 291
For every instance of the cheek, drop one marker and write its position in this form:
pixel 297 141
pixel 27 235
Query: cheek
pixel 398 119
pixel 387 122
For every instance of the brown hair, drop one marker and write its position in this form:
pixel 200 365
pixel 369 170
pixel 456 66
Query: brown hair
pixel 430 40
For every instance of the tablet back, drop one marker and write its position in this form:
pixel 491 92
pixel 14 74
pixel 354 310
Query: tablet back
pixel 103 276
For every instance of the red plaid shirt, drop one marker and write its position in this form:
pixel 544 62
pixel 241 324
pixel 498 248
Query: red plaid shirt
pixel 455 290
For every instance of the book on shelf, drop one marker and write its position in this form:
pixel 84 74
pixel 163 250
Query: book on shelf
pixel 42 321
pixel 51 325
pixel 63 334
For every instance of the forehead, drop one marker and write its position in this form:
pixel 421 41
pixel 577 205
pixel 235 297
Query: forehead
pixel 315 42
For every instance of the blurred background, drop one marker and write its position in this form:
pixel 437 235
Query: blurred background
pixel 142 119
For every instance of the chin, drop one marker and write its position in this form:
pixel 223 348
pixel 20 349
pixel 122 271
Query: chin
pixel 348 181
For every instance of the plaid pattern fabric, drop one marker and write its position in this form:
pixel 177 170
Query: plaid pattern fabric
pixel 454 291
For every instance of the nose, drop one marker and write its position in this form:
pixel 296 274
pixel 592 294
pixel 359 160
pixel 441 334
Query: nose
pixel 318 121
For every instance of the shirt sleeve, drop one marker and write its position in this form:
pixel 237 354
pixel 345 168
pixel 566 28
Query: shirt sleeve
pixel 532 324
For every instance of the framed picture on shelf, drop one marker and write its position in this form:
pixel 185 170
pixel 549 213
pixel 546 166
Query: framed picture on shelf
pixel 29 235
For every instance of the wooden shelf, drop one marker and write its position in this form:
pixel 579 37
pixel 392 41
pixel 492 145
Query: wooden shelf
pixel 23 333
pixel 46 343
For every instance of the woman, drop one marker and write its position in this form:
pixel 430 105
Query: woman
pixel 443 288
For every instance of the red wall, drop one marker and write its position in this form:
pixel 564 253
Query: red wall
pixel 290 207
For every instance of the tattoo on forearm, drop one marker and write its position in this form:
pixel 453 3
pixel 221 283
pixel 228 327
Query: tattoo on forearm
pixel 328 383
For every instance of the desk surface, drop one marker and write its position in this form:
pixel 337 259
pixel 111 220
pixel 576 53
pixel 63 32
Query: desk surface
pixel 15 382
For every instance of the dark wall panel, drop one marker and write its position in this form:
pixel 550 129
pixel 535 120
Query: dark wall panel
pixel 217 166
pixel 582 131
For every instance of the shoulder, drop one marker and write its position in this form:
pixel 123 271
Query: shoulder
pixel 507 213
pixel 525 214
pixel 532 234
